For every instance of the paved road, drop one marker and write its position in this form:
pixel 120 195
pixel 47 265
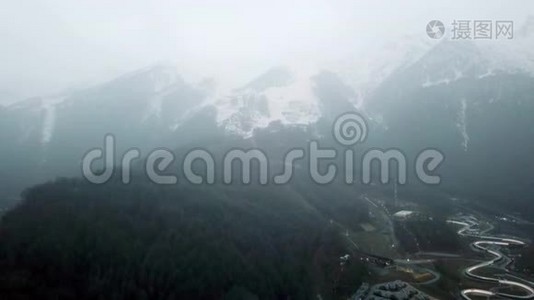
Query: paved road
pixel 485 245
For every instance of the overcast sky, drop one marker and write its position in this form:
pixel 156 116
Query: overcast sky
pixel 51 45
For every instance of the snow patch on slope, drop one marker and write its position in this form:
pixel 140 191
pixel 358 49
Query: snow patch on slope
pixel 292 103
pixel 462 124
pixel 49 120
pixel 365 71
pixel 512 54
pixel 163 78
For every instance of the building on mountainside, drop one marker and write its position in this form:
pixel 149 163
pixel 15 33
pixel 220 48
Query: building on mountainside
pixel 403 215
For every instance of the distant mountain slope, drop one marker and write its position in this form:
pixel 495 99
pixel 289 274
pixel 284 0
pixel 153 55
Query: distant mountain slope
pixel 461 97
pixel 456 100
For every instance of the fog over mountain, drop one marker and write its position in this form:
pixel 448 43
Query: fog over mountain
pixel 52 46
pixel 178 77
pixel 156 106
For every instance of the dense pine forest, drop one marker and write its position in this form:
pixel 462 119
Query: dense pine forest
pixel 73 240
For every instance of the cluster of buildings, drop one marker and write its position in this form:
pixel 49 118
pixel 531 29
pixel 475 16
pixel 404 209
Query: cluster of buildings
pixel 389 290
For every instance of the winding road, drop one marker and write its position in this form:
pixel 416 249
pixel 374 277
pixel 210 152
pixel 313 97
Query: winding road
pixel 485 245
